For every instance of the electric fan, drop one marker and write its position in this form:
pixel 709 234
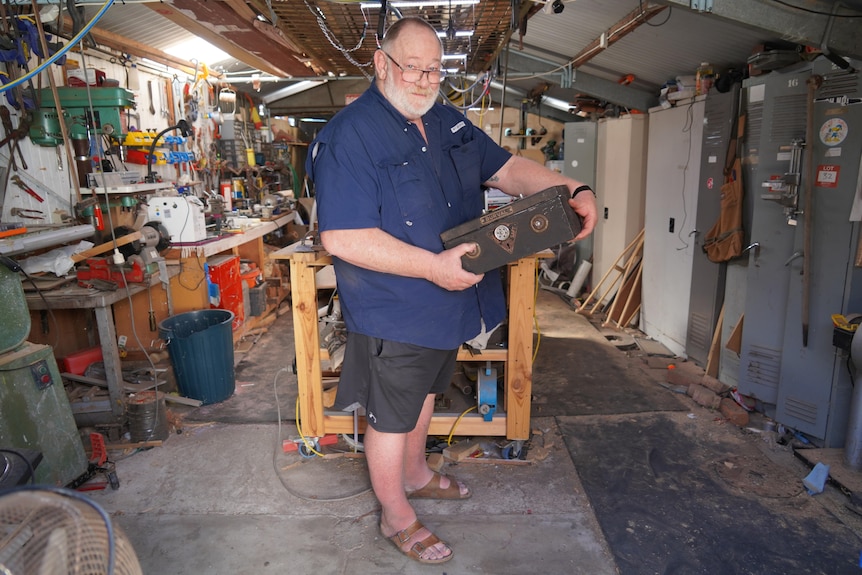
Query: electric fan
pixel 53 531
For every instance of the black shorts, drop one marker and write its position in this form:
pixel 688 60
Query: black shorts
pixel 391 380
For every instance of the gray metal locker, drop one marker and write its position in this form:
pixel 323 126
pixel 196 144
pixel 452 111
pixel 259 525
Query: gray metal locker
pixel 778 100
pixel 708 278
pixel 815 387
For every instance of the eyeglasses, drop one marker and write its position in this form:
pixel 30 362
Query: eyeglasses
pixel 411 74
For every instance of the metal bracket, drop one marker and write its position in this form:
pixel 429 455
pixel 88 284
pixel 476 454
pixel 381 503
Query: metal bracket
pixel 701 5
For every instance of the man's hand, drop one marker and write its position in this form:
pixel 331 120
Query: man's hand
pixel 446 270
pixel 584 204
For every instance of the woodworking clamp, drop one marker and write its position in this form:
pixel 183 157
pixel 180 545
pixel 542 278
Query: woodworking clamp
pixel 20 183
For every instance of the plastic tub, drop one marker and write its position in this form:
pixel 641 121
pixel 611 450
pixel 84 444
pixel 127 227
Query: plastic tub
pixel 201 348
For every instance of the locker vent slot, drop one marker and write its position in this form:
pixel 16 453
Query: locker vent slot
pixel 764 366
pixel 753 126
pixel 698 331
pixel 788 121
pixel 837 85
pixel 801 410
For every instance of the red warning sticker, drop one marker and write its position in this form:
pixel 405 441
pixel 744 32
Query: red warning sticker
pixel 827 176
pixel 710 183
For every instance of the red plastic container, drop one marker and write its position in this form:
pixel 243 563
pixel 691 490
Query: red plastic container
pixel 78 362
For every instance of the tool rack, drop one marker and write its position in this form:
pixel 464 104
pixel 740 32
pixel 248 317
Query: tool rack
pixel 512 422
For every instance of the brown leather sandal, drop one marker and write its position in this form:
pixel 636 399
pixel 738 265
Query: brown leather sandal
pixel 416 550
pixel 432 489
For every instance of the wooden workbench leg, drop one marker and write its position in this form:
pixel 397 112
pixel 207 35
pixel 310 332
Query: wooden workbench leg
pixel 304 294
pixel 111 358
pixel 519 367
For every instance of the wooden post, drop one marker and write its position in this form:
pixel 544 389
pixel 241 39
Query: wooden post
pixel 304 287
pixel 519 367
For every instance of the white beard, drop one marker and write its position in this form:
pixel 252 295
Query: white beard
pixel 405 100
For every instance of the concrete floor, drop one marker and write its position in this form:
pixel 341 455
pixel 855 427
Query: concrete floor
pixel 223 499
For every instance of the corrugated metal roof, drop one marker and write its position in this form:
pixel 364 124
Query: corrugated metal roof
pixel 673 43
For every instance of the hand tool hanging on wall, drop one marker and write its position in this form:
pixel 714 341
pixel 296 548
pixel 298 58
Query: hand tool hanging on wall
pixel 20 183
pixel 13 135
pixel 150 93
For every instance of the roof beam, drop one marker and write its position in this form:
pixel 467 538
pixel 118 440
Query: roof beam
pixel 789 24
pixel 219 24
pixel 124 45
pixel 616 32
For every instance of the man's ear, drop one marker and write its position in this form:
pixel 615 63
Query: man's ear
pixel 380 64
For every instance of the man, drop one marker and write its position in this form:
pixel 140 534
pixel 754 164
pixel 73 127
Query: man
pixel 392 171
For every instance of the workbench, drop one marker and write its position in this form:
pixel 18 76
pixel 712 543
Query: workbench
pixel 189 287
pixel 189 290
pixel 72 296
pixel 513 421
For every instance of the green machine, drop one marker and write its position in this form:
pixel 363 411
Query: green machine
pixel 106 116
pixel 35 413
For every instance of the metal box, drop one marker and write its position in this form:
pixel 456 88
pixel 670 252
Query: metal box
pixel 521 228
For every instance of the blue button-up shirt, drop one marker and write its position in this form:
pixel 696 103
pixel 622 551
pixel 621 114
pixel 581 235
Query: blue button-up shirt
pixel 373 169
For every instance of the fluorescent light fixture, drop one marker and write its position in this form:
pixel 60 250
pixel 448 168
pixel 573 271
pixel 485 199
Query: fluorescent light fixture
pixel 296 88
pixel 490 109
pixel 420 3
pixel 458 34
pixel 199 49
pixel 314 120
pixel 454 57
pixel 556 103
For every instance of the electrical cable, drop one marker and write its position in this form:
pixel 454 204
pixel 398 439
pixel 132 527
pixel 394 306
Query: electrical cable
pixel 346 52
pixel 278 447
pixel 454 425
pixel 648 23
pixel 61 52
pixel 689 121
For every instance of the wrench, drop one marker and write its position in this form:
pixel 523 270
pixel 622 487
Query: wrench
pixel 20 183
pixel 28 214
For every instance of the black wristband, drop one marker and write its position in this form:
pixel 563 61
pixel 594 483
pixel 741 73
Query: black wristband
pixel 580 189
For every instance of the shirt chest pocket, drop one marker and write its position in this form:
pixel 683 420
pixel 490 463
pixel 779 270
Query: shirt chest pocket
pixel 413 212
pixel 468 164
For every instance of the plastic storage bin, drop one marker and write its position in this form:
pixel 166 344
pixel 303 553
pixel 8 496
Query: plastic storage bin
pixel 201 348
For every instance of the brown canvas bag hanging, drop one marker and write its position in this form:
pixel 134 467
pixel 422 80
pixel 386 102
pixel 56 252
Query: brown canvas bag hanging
pixel 724 240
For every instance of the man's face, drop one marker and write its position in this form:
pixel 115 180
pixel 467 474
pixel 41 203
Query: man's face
pixel 420 49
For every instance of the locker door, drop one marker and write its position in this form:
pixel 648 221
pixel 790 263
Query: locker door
pixel 707 278
pixel 781 97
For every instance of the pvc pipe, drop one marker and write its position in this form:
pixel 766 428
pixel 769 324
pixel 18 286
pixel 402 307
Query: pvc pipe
pixel 579 279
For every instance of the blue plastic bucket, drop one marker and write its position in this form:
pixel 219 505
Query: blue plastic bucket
pixel 201 348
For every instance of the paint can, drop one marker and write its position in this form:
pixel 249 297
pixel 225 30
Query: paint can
pixel 147 416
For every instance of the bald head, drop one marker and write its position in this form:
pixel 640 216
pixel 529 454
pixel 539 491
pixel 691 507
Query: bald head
pixel 406 27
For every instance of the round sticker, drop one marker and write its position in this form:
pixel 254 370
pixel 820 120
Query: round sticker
pixel 833 131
